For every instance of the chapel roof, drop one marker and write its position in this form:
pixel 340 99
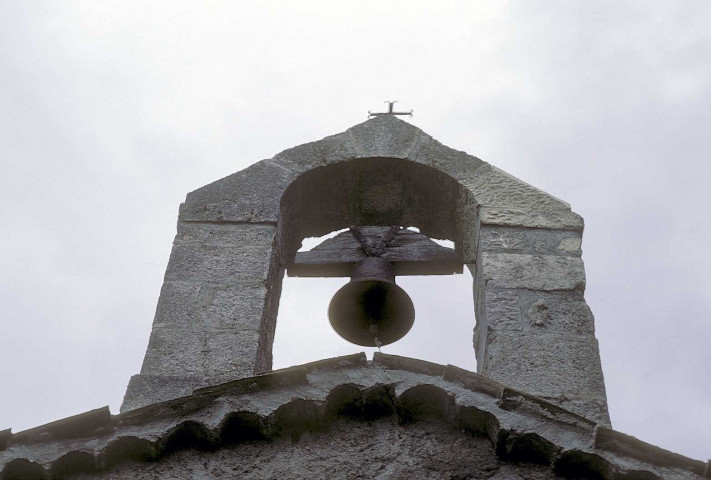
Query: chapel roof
pixel 311 397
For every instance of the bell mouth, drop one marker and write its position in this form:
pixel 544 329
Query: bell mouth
pixel 371 312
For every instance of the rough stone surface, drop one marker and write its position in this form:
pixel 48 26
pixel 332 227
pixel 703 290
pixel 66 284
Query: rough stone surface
pixel 393 417
pixel 538 312
pixel 146 389
pixel 531 241
pixel 201 351
pixel 213 263
pixel 495 187
pixel 197 305
pixel 250 195
pixel 555 367
pixel 535 272
pixel 225 234
pixel 530 218
pixel 348 450
pixel 383 138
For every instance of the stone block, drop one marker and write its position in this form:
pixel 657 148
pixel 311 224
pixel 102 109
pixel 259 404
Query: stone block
pixel 250 195
pixel 231 353
pixel 494 187
pixel 467 225
pixel 202 351
pixel 232 307
pixel 215 263
pixel 177 305
pixel 539 312
pixel 535 272
pixel 225 234
pixel 199 305
pixel 531 241
pixel 384 136
pixel 502 311
pixel 593 407
pixel 333 149
pixel 561 218
pixel 549 366
pixel 457 164
pixel 571 246
pixel 146 390
pixel 175 350
pixel 239 210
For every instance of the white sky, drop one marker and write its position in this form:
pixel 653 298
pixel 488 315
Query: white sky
pixel 112 111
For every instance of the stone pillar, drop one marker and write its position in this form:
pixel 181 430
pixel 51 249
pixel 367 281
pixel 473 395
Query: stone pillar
pixel 534 330
pixel 209 315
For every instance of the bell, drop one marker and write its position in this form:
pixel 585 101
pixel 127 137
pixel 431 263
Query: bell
pixel 371 310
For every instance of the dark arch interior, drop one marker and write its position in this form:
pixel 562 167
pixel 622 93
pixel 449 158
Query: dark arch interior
pixel 372 191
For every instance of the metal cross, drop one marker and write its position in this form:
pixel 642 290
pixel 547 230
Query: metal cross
pixel 390 111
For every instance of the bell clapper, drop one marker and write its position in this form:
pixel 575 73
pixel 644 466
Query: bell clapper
pixel 373 328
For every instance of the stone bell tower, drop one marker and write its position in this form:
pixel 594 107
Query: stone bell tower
pixel 207 404
pixel 217 311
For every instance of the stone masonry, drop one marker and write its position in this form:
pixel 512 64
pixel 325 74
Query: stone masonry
pixel 345 417
pixel 217 310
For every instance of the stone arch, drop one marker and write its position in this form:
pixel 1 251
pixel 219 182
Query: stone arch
pixel 374 191
pixel 216 314
pixel 364 191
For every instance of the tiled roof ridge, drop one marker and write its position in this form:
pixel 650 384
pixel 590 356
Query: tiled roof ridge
pixel 520 426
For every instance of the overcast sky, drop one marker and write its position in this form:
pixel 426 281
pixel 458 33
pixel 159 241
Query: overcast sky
pixel 112 111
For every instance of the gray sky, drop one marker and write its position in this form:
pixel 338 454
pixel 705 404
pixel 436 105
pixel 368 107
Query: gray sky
pixel 113 111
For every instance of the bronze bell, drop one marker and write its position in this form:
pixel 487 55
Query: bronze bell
pixel 371 310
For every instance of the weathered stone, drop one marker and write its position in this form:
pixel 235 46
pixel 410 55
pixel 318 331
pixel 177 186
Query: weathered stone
pixel 494 187
pixel 548 366
pixel 329 150
pixel 250 195
pixel 629 446
pixel 383 137
pixel 532 241
pixel 177 304
pixel 404 363
pixel 503 311
pixel 538 312
pixel 562 219
pixel 196 351
pixel 571 246
pixel 213 263
pixel 536 272
pixel 347 450
pixel 467 224
pixel 173 350
pixel 93 422
pixel 472 381
pixel 145 389
pixel 537 406
pixel 231 352
pixel 238 306
pixel 457 164
pixel 340 415
pixel 225 234
pixel 241 210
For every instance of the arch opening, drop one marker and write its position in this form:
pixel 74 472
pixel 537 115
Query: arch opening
pixel 442 332
pixel 375 191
